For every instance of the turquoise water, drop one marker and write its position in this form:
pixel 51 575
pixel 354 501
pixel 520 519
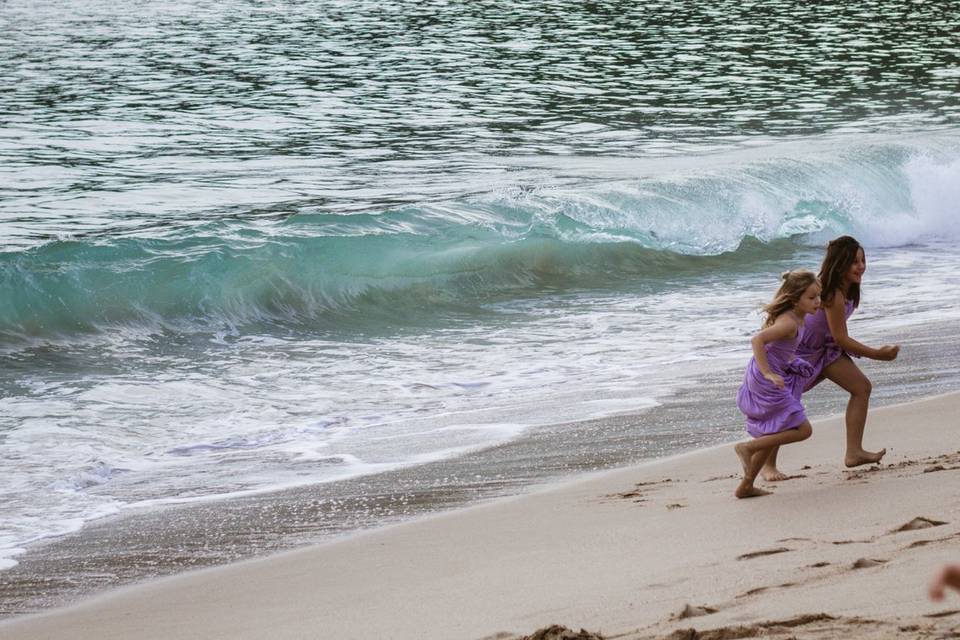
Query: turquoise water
pixel 258 245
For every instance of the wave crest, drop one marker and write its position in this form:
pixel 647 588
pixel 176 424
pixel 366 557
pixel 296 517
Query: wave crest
pixel 417 265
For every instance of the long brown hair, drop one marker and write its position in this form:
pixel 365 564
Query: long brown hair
pixel 788 295
pixel 841 253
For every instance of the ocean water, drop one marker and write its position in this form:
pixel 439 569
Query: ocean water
pixel 260 245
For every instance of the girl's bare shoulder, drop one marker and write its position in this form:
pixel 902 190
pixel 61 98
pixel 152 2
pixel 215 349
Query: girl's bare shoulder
pixel 789 320
pixel 784 325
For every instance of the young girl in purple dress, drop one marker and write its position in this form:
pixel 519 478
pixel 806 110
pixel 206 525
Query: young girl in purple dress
pixel 827 346
pixel 774 380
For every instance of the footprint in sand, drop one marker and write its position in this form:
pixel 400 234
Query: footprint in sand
pixel 793 477
pixel 559 632
pixel 947 462
pixel 691 611
pixel 919 523
pixel 765 552
pixel 866 563
pixel 923 543
pixel 639 491
pixel 715 478
pixel 639 495
pixel 861 474
pixel 815 625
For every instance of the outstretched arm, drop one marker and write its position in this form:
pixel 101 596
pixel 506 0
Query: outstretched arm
pixel 837 321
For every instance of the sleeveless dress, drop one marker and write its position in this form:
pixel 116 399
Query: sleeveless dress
pixel 817 345
pixel 768 408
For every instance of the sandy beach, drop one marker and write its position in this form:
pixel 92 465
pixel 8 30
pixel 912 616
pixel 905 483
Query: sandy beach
pixel 642 552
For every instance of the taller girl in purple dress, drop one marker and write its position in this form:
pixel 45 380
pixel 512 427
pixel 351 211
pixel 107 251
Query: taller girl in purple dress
pixel 827 346
pixel 774 381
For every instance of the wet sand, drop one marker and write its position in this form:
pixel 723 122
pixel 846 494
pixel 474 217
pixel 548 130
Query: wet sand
pixel 633 553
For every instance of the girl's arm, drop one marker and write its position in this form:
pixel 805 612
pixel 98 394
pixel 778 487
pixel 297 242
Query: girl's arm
pixel 782 327
pixel 837 321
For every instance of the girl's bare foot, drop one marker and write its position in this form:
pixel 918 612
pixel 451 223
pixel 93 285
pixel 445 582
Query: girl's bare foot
pixel 743 452
pixel 747 490
pixel 863 457
pixel 772 474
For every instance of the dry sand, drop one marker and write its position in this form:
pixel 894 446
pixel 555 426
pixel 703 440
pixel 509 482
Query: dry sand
pixel 651 551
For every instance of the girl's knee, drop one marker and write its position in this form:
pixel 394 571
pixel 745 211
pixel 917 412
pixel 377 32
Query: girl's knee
pixel 805 431
pixel 846 374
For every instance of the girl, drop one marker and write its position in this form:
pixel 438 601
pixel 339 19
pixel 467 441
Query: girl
pixel 770 393
pixel 827 346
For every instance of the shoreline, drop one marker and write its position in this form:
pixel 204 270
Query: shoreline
pixel 139 546
pixel 143 545
pixel 570 553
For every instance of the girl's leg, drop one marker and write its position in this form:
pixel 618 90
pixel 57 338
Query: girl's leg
pixel 770 472
pixel 751 468
pixel 787 436
pixel 754 454
pixel 848 376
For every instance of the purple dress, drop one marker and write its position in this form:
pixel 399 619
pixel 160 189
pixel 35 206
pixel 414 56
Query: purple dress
pixel 817 345
pixel 768 408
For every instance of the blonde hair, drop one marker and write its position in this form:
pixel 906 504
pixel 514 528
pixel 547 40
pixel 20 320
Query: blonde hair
pixel 793 284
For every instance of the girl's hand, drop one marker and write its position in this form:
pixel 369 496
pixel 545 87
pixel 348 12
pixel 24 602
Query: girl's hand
pixel 888 352
pixel 775 379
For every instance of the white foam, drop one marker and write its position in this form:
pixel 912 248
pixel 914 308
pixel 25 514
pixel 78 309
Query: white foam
pixel 6 557
pixel 605 407
pixel 325 414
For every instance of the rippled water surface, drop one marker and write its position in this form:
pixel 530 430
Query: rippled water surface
pixel 126 117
